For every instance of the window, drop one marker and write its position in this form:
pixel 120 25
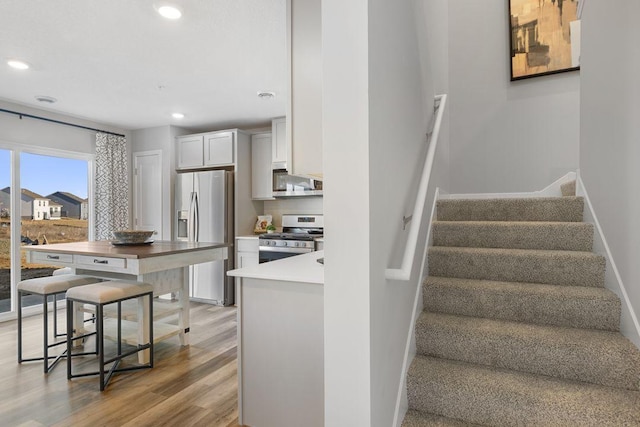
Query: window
pixel 36 183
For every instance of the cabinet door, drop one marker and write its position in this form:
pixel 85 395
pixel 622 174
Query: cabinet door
pixel 261 175
pixel 218 149
pixel 279 147
pixel 190 153
pixel 247 259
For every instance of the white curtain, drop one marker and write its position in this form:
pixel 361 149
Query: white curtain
pixel 112 185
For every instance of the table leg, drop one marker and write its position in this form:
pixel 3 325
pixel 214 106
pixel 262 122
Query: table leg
pixel 183 315
pixel 143 328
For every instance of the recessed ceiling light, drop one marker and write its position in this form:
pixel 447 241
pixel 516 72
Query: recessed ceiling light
pixel 169 11
pixel 18 65
pixel 177 116
pixel 46 99
pixel 266 95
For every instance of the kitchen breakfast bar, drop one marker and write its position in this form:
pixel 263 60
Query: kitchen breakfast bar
pixel 281 342
pixel 162 264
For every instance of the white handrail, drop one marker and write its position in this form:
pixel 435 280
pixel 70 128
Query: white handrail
pixel 404 272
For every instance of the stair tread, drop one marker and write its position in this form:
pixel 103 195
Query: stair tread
pixel 568 208
pixel 495 396
pixel 518 265
pixel 518 252
pixel 600 357
pixel 574 236
pixel 421 419
pixel 574 306
pixel 527 288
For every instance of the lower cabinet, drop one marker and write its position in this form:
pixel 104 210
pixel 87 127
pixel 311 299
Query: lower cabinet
pixel 247 251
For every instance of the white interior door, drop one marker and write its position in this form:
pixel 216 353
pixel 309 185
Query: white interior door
pixel 147 192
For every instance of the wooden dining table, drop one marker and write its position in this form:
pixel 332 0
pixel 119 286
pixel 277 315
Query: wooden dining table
pixel 163 264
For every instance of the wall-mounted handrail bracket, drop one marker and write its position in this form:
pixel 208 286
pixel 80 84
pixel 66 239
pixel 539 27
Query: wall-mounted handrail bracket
pixel 406 220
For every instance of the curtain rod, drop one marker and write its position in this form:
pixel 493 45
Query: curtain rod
pixel 31 116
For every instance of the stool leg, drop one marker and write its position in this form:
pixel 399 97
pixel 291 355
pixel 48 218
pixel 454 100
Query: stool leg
pixel 69 336
pixel 19 327
pixel 45 317
pixel 100 338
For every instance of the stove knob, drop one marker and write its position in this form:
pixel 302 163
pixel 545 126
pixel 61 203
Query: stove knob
pixel 295 244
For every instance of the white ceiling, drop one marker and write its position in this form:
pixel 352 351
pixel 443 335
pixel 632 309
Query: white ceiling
pixel 118 62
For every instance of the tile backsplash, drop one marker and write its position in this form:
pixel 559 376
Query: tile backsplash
pixel 299 205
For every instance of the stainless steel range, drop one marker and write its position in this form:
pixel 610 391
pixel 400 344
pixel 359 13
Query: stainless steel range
pixel 298 237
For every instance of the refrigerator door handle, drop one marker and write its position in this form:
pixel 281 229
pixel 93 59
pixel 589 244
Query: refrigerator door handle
pixel 191 227
pixel 196 218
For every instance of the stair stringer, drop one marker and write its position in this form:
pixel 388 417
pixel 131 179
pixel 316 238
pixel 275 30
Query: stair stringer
pixel 629 325
pixel 402 403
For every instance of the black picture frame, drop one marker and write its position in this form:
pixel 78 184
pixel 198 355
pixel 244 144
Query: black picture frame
pixel 540 36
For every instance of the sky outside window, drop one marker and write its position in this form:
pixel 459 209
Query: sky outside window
pixel 47 174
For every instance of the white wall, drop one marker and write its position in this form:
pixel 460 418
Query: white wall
pixel 610 130
pixel 505 137
pixel 375 116
pixel 400 107
pixel 50 135
pixel 347 265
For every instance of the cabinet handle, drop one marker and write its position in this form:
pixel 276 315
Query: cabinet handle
pixel 53 256
pixel 100 261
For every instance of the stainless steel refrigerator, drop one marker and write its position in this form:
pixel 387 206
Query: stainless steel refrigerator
pixel 204 213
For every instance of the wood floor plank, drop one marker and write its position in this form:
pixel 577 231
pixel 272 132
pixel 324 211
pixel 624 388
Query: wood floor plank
pixel 188 386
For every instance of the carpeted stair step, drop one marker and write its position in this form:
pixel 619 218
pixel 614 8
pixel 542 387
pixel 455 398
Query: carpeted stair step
pixel 562 236
pixel 598 357
pixel 420 419
pixel 498 397
pixel 518 265
pixel 568 188
pixel 570 306
pixel 562 209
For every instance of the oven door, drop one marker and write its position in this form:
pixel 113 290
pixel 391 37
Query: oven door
pixel 267 254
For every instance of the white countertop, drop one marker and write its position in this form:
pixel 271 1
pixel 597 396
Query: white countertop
pixel 300 268
pixel 255 236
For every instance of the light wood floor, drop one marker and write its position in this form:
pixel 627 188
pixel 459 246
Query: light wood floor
pixel 188 386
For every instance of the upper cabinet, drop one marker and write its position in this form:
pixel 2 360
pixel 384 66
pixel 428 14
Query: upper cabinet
pixel 304 127
pixel 261 175
pixel 205 150
pixel 190 152
pixel 218 149
pixel 279 143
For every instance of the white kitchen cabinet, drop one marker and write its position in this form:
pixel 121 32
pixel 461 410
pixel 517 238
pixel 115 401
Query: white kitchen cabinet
pixel 305 103
pixel 218 149
pixel 279 143
pixel 190 151
pixel 261 175
pixel 205 150
pixel 248 248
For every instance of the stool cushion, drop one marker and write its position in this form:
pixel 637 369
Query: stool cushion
pixel 109 291
pixel 54 284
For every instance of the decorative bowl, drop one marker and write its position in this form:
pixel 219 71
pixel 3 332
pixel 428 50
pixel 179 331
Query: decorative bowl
pixel 131 236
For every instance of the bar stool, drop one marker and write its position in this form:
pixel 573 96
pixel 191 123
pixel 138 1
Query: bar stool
pixel 45 287
pixel 99 295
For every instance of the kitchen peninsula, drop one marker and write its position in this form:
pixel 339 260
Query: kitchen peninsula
pixel 164 264
pixel 280 342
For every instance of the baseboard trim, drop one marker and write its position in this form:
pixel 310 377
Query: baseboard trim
pixel 629 325
pixel 410 348
pixel 552 190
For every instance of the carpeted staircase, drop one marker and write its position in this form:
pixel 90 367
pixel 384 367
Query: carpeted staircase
pixel 517 327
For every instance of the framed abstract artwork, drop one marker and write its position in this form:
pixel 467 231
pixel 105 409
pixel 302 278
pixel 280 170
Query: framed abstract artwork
pixel 545 37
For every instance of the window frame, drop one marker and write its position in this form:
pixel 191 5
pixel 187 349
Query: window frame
pixel 15 151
